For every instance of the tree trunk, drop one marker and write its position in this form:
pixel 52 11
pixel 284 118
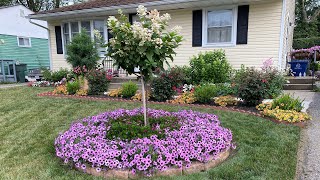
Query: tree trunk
pixel 144 101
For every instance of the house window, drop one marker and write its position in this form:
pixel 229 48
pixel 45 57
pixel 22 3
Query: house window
pixel 66 36
pixel 219 27
pixel 85 25
pixel 99 25
pixel 74 28
pixel 135 18
pixel 24 42
pixel 71 29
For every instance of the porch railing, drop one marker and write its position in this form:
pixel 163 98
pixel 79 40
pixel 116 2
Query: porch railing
pixel 108 63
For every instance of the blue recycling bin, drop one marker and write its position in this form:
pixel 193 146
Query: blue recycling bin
pixel 299 66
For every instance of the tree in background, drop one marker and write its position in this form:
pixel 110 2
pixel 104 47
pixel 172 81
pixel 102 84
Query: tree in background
pixel 5 2
pixel 307 30
pixel 39 5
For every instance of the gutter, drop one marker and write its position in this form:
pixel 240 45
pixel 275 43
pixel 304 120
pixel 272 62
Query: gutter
pixel 128 8
pixel 49 40
pixel 284 10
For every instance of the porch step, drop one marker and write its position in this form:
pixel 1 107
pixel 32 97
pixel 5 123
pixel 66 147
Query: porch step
pixel 297 87
pixel 124 79
pixel 118 85
pixel 300 80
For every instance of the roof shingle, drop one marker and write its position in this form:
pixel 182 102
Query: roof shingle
pixel 95 4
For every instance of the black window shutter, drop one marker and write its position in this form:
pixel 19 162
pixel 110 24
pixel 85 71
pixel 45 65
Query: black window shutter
pixel 109 35
pixel 130 18
pixel 243 23
pixel 58 39
pixel 197 28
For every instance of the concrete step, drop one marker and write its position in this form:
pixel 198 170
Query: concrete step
pixel 124 79
pixel 297 87
pixel 300 80
pixel 118 85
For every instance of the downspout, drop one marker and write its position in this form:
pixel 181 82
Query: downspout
pixel 49 40
pixel 284 9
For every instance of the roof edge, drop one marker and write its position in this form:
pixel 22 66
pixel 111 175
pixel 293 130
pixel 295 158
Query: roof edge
pixel 109 8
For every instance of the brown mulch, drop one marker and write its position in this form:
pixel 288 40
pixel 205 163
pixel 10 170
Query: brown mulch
pixel 240 109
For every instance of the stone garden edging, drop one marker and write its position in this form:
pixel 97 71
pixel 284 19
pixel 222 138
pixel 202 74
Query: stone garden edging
pixel 195 167
pixel 232 109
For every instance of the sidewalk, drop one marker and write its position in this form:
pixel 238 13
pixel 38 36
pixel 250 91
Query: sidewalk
pixel 4 86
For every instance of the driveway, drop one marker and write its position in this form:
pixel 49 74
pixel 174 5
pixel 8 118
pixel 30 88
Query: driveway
pixel 308 165
pixel 4 86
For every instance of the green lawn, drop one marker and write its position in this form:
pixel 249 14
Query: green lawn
pixel 29 125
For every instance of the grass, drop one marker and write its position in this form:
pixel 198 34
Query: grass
pixel 29 125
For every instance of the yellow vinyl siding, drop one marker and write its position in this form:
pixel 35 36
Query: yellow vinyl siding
pixel 58 60
pixel 263 37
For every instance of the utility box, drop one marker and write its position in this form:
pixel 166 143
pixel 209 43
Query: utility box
pixel 20 72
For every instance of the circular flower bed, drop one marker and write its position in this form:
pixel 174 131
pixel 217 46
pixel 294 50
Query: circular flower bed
pixel 118 140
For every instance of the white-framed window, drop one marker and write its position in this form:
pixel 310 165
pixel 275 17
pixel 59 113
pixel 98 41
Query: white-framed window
pixel 70 29
pixel 24 41
pixel 219 27
pixel 135 18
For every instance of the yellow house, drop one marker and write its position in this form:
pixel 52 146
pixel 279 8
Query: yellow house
pixel 250 31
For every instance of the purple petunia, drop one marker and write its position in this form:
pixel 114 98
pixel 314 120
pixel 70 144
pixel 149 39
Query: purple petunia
pixel 199 137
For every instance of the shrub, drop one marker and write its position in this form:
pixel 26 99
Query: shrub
pixel 129 89
pixel 254 85
pixel 226 101
pixel 252 89
pixel 225 89
pixel 99 81
pixel 55 76
pixel 286 102
pixel 163 87
pixel 185 74
pixel 210 67
pixel 82 51
pixel 73 87
pixel 302 43
pixel 205 93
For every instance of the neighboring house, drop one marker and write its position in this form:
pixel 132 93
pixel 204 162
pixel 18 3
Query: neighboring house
pixel 21 40
pixel 250 31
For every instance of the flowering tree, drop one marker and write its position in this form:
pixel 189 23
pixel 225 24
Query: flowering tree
pixel 146 44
